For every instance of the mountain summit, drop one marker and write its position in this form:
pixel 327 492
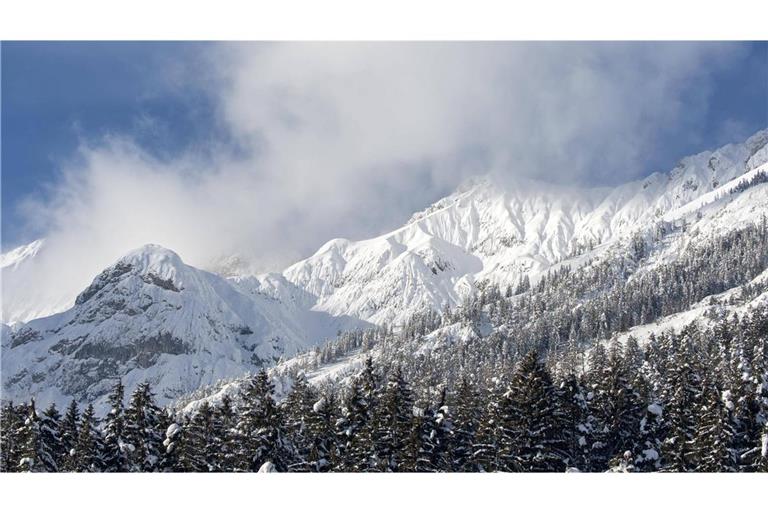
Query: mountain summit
pixel 151 317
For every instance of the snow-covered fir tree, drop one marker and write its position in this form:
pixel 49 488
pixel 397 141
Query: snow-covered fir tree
pixel 89 448
pixel 260 430
pixel 116 451
pixel 144 425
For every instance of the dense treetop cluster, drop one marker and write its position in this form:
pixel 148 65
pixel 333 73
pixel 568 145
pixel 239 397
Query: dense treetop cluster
pixel 693 401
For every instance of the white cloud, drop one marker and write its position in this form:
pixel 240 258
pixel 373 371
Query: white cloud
pixel 349 139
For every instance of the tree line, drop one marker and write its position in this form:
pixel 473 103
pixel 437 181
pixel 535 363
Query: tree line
pixel 692 401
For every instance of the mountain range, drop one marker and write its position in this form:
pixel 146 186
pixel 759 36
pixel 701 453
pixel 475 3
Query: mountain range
pixel 152 317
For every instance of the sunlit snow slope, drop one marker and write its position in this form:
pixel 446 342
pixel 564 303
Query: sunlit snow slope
pixel 486 231
pixel 152 317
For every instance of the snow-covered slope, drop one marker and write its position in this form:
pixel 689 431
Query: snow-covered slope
pixel 722 305
pixel 152 317
pixel 486 231
pixel 341 369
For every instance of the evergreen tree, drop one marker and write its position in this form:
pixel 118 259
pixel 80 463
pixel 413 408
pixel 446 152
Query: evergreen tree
pixel 115 456
pixel 89 449
pixel 532 421
pixel 11 441
pixel 192 444
pixel 324 451
pixel 297 407
pixel 393 420
pixel 50 432
pixel 746 413
pixel 713 441
pixel 260 429
pixel 70 427
pixel 224 424
pixel 429 448
pixel 143 430
pixel 205 438
pixel 37 454
pixel 633 360
pixel 578 425
pixel 682 397
pixel 356 425
pixel 617 409
pixel 489 447
pixel 651 437
pixel 467 411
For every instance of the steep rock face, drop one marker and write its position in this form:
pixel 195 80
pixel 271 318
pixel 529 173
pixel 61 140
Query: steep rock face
pixel 499 233
pixel 151 317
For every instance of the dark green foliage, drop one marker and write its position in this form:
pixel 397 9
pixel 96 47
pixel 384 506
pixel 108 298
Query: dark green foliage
pixel 260 430
pixel 467 409
pixel 192 446
pixel 532 421
pixel 224 423
pixel 89 448
pixel 70 426
pixel 713 444
pixel 578 423
pixel 489 448
pixel 297 408
pixel 392 424
pixel 682 396
pixel 322 421
pixel 50 431
pixel 356 428
pixel 11 442
pixel 39 442
pixel 616 408
pixel 430 448
pixel 145 424
pixel 115 456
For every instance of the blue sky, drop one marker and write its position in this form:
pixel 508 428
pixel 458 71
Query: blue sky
pixel 56 96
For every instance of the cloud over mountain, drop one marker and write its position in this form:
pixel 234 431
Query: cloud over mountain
pixel 348 139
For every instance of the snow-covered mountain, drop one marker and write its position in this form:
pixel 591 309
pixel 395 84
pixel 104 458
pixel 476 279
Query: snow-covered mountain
pixel 152 317
pixel 488 231
pixel 343 368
